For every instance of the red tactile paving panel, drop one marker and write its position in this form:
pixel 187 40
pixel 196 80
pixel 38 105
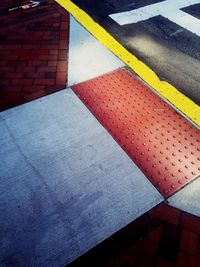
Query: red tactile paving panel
pixel 33 51
pixel 164 145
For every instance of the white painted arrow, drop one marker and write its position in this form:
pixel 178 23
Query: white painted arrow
pixel 31 4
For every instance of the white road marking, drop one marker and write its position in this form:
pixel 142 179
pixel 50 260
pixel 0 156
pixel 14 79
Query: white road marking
pixel 169 9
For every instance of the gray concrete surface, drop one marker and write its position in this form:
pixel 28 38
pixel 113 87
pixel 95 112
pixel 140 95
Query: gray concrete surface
pixel 65 183
pixel 88 58
pixel 188 199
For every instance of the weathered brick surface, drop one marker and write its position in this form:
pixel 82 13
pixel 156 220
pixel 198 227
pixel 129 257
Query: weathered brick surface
pixel 186 260
pixel 156 239
pixel 167 213
pixel 190 223
pixel 189 242
pixel 33 51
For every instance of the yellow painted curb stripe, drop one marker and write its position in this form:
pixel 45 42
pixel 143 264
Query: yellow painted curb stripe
pixel 169 92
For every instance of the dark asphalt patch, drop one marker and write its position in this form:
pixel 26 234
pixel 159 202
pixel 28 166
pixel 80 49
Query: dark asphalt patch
pixel 193 10
pixel 171 51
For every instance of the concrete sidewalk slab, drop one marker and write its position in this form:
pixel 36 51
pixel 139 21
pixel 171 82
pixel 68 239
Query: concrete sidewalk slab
pixel 65 183
pixel 87 57
pixel 188 199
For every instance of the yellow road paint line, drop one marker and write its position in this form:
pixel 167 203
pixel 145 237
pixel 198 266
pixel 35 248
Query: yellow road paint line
pixel 166 90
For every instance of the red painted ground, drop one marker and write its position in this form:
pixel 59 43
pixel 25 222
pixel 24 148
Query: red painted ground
pixel 33 52
pixel 164 145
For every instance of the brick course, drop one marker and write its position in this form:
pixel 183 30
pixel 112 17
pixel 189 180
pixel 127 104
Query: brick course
pixel 33 51
pixel 156 239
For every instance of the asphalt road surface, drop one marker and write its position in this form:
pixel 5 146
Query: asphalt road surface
pixel 165 35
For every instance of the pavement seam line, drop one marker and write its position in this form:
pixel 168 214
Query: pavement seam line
pixel 169 92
